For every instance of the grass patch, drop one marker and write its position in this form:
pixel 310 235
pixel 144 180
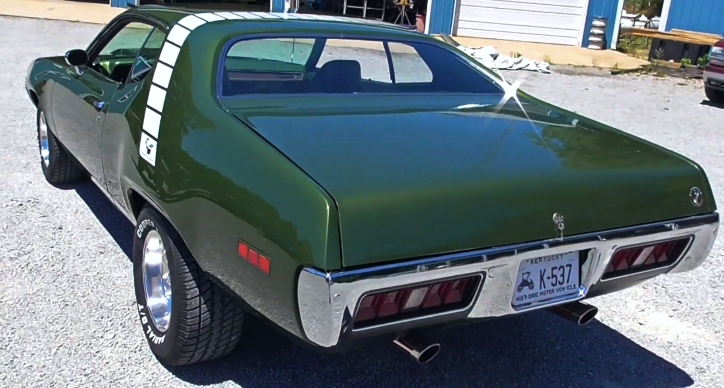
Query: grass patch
pixel 634 46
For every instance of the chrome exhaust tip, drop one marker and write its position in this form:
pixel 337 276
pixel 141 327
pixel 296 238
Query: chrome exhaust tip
pixel 578 312
pixel 418 347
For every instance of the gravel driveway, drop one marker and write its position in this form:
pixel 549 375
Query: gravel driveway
pixel 67 303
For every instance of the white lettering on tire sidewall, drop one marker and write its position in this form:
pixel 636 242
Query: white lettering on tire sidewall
pixel 142 227
pixel 148 331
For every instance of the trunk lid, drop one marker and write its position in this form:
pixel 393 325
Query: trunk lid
pixel 415 177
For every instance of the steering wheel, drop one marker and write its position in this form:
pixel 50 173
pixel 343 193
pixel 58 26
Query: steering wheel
pixel 123 52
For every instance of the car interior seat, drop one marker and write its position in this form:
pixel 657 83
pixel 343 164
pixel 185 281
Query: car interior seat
pixel 337 76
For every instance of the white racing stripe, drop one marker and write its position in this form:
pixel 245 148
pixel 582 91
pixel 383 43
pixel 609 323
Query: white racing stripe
pixel 162 76
pixel 178 35
pixel 210 17
pixel 151 122
pixel 156 98
pixel 161 80
pixel 264 15
pixel 304 16
pixel 243 15
pixel 169 53
pixel 167 60
pixel 229 15
pixel 191 22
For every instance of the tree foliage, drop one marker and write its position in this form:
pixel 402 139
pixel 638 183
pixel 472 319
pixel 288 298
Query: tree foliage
pixel 650 8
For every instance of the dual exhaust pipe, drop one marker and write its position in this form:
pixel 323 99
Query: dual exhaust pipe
pixel 417 346
pixel 576 312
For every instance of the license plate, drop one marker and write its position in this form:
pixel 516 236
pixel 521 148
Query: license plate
pixel 546 277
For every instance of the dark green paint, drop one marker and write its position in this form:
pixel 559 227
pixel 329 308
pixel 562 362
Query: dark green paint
pixel 410 176
pixel 413 177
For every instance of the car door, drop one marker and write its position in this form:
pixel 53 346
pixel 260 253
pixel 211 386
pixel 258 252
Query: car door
pixel 80 103
pixel 125 113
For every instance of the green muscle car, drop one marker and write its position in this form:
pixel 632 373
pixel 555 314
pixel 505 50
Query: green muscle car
pixel 346 179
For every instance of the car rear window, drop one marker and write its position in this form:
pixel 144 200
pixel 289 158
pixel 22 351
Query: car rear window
pixel 346 66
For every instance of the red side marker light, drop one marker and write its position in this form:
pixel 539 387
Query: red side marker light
pixel 243 250
pixel 253 258
pixel 264 265
pixel 259 261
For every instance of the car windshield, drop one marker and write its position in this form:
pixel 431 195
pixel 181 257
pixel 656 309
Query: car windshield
pixel 346 66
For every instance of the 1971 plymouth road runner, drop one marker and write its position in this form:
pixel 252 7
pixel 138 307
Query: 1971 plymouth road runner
pixel 345 178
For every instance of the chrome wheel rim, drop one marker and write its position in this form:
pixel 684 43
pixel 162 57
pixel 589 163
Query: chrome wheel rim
pixel 43 139
pixel 157 280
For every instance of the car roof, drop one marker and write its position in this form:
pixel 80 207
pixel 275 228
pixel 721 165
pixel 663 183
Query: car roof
pixel 296 21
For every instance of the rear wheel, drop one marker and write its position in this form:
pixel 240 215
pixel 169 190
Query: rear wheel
pixel 57 164
pixel 186 318
pixel 714 95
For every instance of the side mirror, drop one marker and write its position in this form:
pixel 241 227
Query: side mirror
pixel 76 57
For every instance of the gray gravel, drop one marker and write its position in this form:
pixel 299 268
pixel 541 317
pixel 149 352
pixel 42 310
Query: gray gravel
pixel 67 317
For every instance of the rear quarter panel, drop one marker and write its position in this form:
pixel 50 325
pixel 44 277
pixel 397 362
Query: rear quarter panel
pixel 218 183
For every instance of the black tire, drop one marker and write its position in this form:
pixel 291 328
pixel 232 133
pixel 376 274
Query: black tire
pixel 205 322
pixel 61 168
pixel 714 95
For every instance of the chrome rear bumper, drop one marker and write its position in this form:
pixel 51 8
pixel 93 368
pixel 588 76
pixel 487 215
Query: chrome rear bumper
pixel 328 301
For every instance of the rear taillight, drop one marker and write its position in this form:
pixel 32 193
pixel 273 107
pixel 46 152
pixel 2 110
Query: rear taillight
pixel 420 300
pixel 640 258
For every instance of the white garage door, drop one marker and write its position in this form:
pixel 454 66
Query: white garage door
pixel 541 21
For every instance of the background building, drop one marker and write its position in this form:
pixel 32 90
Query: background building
pixel 564 22
pixel 693 15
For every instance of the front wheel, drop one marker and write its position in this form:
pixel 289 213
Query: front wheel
pixel 186 318
pixel 714 95
pixel 58 165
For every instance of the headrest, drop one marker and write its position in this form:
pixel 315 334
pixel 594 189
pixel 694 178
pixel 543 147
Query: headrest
pixel 338 76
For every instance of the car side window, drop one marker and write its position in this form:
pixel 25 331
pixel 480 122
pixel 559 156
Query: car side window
pixel 271 52
pixel 269 60
pixel 409 66
pixel 118 55
pixel 374 65
pixel 147 56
